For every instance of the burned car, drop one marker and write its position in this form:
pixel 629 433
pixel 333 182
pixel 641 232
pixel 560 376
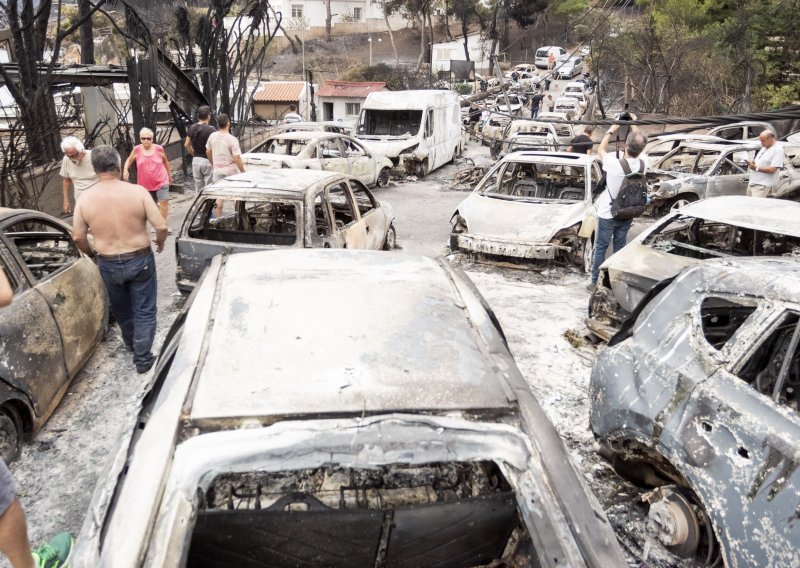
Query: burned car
pixel 326 151
pixel 550 131
pixel 57 317
pixel 288 427
pixel 746 130
pixel 273 209
pixel 531 205
pixel 718 227
pixel 696 170
pixel 699 398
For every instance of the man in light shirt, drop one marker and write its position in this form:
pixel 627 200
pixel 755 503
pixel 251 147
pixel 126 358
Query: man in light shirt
pixel 765 166
pixel 76 170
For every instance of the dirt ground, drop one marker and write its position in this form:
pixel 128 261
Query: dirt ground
pixel 59 468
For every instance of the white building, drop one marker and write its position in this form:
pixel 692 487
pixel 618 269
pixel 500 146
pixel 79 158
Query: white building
pixel 478 48
pixel 342 100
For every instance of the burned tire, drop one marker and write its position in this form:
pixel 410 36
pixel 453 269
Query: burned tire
pixel 10 433
pixel 584 255
pixel 391 239
pixel 419 170
pixel 494 149
pixel 383 178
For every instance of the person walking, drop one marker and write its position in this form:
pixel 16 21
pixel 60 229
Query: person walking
pixel 551 104
pixel 766 165
pixel 608 228
pixel 292 115
pixel 224 153
pixel 582 143
pixel 76 170
pixel 536 101
pixel 117 213
pixel 152 170
pixel 547 81
pixel 195 144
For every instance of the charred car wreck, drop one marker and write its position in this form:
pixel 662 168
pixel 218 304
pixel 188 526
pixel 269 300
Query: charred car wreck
pixel 416 442
pixel 719 227
pixel 531 205
pixel 698 397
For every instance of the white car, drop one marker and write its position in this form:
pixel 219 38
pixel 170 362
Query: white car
pixel 514 105
pixel 569 106
pixel 532 205
pixel 326 151
pixel 583 101
pixel 569 68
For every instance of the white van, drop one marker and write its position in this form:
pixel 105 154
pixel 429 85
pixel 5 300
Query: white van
pixel 419 130
pixel 543 54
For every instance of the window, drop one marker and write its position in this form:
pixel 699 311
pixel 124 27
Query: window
pixel 429 124
pixel 322 218
pixel 721 317
pixel 330 148
pixel 357 16
pixel 352 149
pixel 11 276
pixel 264 222
pixel 773 369
pixel 285 147
pixel 45 248
pixel 364 199
pixel 352 109
pixel 297 10
pixel 390 122
pixel 342 205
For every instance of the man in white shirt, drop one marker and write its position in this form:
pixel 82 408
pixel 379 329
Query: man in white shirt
pixel 609 228
pixel 76 170
pixel 292 115
pixel 765 166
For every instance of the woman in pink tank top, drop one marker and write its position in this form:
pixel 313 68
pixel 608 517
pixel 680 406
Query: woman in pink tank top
pixel 152 170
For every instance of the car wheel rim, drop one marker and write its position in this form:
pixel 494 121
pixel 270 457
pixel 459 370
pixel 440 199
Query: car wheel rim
pixel 588 255
pixel 391 239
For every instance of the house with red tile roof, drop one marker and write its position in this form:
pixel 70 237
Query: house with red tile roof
pixel 342 100
pixel 271 101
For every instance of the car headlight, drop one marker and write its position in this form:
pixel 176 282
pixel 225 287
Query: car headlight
pixel 566 236
pixel 410 149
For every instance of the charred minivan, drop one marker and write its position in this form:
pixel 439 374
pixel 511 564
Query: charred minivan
pixel 274 209
pixel 341 409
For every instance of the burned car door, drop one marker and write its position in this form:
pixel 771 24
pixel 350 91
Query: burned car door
pixel 69 283
pixel 741 429
pixel 332 156
pixel 362 164
pixel 348 225
pixel 31 356
pixel 320 229
pixel 729 176
pixel 372 214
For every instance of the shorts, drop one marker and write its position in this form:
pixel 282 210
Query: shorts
pixel 8 489
pixel 160 194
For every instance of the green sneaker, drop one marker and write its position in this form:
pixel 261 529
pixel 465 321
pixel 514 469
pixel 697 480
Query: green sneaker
pixel 56 553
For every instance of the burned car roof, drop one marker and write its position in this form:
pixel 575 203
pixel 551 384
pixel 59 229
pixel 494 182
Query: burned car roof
pixel 771 215
pixel 405 371
pixel 268 181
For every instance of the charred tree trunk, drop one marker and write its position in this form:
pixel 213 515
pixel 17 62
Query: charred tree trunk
pixel 464 32
pixel 86 35
pixel 391 38
pixel 328 19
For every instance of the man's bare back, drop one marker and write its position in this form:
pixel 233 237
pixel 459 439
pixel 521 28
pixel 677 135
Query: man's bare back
pixel 117 213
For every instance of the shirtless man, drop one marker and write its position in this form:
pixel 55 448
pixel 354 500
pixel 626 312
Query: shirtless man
pixel 117 213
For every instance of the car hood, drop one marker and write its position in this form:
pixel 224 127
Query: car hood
pixel 519 220
pixel 389 146
pixel 637 268
pixel 257 158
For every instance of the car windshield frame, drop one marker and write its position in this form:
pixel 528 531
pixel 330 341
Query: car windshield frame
pixel 521 181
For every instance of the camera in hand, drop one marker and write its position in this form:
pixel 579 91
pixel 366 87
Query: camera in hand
pixel 624 116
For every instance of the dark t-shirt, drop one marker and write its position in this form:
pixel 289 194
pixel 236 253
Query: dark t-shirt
pixel 581 144
pixel 536 101
pixel 199 133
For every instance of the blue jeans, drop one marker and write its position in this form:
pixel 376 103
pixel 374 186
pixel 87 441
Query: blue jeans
pixel 606 230
pixel 132 290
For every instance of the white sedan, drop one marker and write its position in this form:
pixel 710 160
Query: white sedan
pixel 326 151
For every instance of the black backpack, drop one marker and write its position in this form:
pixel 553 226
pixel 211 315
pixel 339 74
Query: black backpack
pixel 631 198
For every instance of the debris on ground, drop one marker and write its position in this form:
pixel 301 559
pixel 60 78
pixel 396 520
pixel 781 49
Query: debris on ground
pixel 573 337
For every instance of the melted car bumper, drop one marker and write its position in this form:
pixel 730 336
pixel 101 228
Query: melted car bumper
pixel 502 247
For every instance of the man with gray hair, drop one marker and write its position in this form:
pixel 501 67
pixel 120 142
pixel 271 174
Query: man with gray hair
pixel 765 166
pixel 76 170
pixel 117 213
pixel 608 227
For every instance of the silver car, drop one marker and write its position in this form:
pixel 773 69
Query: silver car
pixel 719 227
pixel 698 398
pixel 343 409
pixel 273 209
pixel 326 151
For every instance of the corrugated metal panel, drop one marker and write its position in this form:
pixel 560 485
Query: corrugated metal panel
pixel 348 90
pixel 279 91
